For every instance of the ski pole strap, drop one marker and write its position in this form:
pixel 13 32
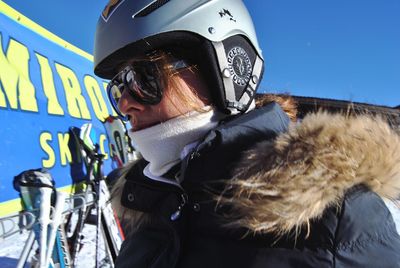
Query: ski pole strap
pixel 33 178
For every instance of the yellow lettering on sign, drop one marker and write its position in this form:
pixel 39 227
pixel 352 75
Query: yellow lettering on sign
pixel 45 138
pixel 53 106
pixel 102 139
pixel 76 103
pixel 65 154
pixel 105 90
pixel 14 78
pixel 94 92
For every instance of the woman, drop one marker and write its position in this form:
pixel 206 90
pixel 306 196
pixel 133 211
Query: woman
pixel 222 183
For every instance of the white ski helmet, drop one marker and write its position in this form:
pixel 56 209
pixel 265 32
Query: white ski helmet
pixel 218 35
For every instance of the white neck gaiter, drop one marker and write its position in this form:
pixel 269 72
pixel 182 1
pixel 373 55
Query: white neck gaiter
pixel 161 145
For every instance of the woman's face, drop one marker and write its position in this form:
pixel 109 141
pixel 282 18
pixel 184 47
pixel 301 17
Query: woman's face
pixel 172 104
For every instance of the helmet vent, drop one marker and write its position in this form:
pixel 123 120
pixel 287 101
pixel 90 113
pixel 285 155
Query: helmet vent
pixel 150 8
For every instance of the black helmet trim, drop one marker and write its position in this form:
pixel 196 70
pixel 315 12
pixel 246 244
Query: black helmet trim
pixel 176 42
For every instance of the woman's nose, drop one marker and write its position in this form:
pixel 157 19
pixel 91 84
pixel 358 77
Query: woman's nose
pixel 127 104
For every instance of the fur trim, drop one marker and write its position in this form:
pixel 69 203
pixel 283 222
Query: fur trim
pixel 282 185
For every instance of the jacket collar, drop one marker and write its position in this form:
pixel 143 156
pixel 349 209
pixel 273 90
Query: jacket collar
pixel 214 157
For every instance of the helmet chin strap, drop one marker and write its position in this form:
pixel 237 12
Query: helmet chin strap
pixel 233 105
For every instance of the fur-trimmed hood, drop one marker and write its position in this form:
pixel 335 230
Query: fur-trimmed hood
pixel 283 184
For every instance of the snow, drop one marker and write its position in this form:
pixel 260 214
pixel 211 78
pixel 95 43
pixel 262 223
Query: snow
pixel 10 248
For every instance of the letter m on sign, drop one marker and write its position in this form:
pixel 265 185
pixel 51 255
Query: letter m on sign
pixel 15 84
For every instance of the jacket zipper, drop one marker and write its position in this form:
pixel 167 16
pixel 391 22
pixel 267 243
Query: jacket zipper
pixel 184 197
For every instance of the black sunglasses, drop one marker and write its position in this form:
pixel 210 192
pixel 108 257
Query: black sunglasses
pixel 144 81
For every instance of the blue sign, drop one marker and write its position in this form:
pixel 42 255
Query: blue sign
pixel 46 87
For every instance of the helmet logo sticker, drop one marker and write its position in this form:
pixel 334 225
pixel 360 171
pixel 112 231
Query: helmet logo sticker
pixel 239 65
pixel 110 8
pixel 225 12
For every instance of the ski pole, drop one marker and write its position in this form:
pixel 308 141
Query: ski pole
pixel 26 250
pixel 44 220
pixel 55 223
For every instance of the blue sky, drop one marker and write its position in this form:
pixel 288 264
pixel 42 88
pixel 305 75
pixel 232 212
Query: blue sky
pixel 342 49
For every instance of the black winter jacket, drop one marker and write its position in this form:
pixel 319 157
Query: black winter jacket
pixel 258 195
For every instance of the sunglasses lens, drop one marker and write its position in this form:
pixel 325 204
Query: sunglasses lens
pixel 115 91
pixel 145 84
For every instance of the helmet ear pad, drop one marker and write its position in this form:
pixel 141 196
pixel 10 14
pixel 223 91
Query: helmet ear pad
pixel 228 69
pixel 241 60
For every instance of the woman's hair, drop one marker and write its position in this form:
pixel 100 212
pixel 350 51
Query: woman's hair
pixel 287 103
